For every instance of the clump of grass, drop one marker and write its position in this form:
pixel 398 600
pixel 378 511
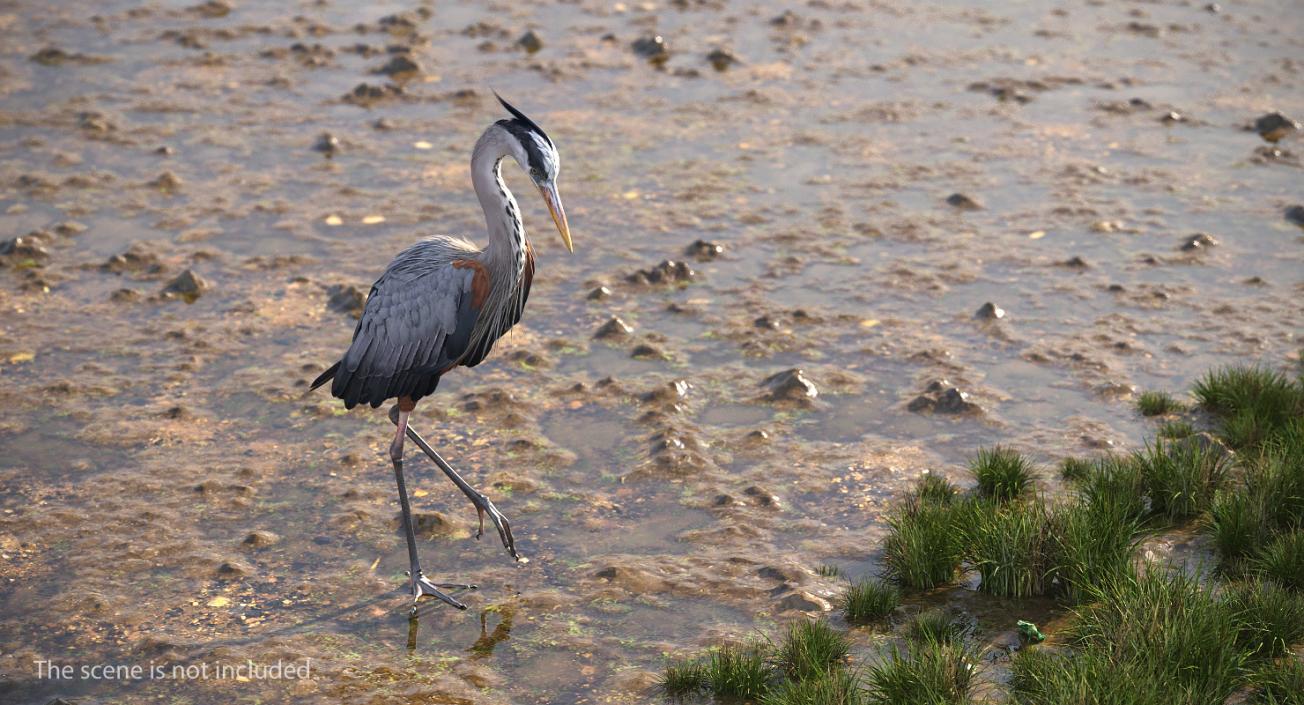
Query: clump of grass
pixel 867 601
pixel 1176 429
pixel 1271 617
pixel 938 625
pixel 1074 469
pixel 1181 477
pixel 1094 545
pixel 734 671
pixel 1282 683
pixel 1238 524
pixel 1002 473
pixel 923 549
pixel 1168 629
pixel 1011 547
pixel 935 488
pixel 928 672
pixel 1042 677
pixel 1115 485
pixel 1157 404
pixel 1282 560
pixel 682 677
pixel 836 687
pixel 811 648
pixel 828 571
pixel 1231 389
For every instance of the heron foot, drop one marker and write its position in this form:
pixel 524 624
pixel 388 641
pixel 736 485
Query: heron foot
pixel 423 586
pixel 484 506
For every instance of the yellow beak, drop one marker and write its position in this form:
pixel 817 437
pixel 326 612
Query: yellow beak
pixel 553 200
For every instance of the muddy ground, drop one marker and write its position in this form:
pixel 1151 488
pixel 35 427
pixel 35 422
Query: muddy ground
pixel 201 193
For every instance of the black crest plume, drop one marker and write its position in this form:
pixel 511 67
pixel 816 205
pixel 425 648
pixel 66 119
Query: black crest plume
pixel 524 120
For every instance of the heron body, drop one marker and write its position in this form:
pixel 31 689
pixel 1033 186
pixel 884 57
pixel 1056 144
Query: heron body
pixel 443 303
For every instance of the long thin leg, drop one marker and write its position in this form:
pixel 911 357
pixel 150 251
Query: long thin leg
pixel 420 585
pixel 482 504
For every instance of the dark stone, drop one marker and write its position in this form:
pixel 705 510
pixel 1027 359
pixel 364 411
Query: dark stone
pixel 399 66
pixel 346 298
pixel 1295 214
pixel 530 42
pixel 186 285
pixel 703 250
pixel 963 202
pixel 1076 262
pixel 790 385
pixel 1274 126
pixel 599 293
pixel 613 329
pixel 646 351
pixel 652 47
pixel 954 401
pixel 1198 242
pixel 989 311
pixel 721 60
pixel 668 272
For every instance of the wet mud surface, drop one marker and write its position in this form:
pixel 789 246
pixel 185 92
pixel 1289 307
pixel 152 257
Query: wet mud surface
pixel 799 218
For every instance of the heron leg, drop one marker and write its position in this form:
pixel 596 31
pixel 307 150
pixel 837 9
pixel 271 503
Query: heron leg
pixel 420 585
pixel 482 504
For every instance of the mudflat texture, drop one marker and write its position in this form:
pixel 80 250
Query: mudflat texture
pixel 896 231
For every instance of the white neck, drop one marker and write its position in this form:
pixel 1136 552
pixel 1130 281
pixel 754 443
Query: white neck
pixel 506 247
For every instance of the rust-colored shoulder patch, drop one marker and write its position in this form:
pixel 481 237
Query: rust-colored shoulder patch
pixel 527 277
pixel 479 282
pixel 406 404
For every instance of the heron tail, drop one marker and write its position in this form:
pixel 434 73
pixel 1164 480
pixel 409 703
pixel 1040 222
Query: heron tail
pixel 323 378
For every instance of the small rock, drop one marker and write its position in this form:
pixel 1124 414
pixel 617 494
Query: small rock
pixel 721 60
pixel 644 351
pixel 989 311
pixel 429 523
pixel 400 66
pixel 346 298
pixel 703 250
pixel 802 601
pixel 922 403
pixel 599 293
pixel 963 202
pixel 125 296
pixel 671 392
pixel 530 42
pixel 652 47
pixel 954 401
pixel 260 539
pixel 166 182
pixel 1198 242
pixel 614 329
pixel 1295 214
pixel 766 323
pixel 24 249
pixel 1274 126
pixel 233 569
pixel 762 497
pixel 1076 262
pixel 668 272
pixel 790 385
pixel 1172 116
pixel 327 144
pixel 186 285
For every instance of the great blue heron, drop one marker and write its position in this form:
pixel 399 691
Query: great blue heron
pixel 443 302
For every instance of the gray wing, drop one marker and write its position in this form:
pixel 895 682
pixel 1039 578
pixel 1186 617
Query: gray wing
pixel 416 323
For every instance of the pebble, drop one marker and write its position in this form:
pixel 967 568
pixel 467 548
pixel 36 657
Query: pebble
pixel 599 293
pixel 398 67
pixel 327 144
pixel 703 250
pixel 614 329
pixel 1275 126
pixel 790 385
pixel 1198 242
pixel 167 182
pixel 645 351
pixel 989 311
pixel 963 202
pixel 1295 214
pixel 346 298
pixel 721 59
pixel 652 47
pixel 669 271
pixel 530 42
pixel 186 285
pixel 260 539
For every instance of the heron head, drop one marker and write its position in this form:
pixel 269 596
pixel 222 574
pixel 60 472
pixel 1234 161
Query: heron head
pixel 536 154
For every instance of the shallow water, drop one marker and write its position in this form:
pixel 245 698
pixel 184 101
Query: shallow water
pixel 142 440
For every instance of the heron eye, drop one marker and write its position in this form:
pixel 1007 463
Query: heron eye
pixel 536 174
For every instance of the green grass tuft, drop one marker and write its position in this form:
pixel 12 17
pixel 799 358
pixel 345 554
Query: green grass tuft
pixel 1238 524
pixel 1176 429
pixel 923 549
pixel 1181 477
pixel 1002 473
pixel 1254 402
pixel 811 648
pixel 738 672
pixel 1157 404
pixel 836 687
pixel 930 673
pixel 1115 486
pixel 1042 677
pixel 1074 469
pixel 1095 543
pixel 935 488
pixel 867 601
pixel 1011 546
pixel 1282 560
pixel 1168 629
pixel 938 625
pixel 682 677
pixel 1271 617
pixel 1282 683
